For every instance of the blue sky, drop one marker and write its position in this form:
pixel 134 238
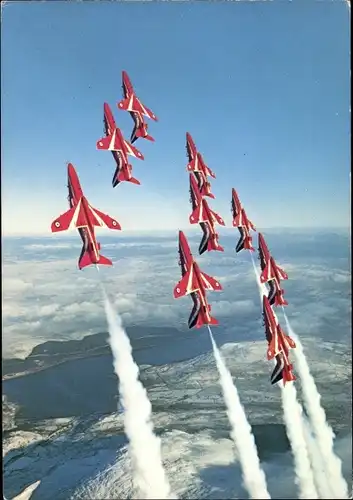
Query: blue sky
pixel 262 87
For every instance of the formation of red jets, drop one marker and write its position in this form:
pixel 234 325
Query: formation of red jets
pixel 81 214
pixel 114 140
pixel 84 217
pixel 195 283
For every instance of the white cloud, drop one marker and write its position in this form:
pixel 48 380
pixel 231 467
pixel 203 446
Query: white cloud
pixel 29 326
pixel 225 307
pixel 54 300
pixel 318 272
pixel 16 286
pixel 51 246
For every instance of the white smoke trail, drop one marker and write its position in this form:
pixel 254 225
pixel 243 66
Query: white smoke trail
pixel 293 419
pixel 145 446
pixel 27 492
pixel 320 477
pixel 241 433
pixel 292 415
pixel 322 430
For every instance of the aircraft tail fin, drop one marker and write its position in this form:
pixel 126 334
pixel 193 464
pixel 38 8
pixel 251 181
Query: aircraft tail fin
pixel 122 175
pixel 288 375
pixel 141 132
pixel 86 260
pixel 104 261
pixel 202 322
pixel 214 245
pixel 280 300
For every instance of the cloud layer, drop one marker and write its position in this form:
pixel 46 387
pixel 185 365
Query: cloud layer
pixel 46 297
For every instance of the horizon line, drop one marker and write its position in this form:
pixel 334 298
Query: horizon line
pixel 158 232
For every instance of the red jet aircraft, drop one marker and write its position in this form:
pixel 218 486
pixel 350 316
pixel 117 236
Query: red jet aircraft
pixel 120 148
pixel 198 166
pixel 272 274
pixel 195 283
pixel 202 214
pixel 136 109
pixel 278 345
pixel 241 221
pixel 84 217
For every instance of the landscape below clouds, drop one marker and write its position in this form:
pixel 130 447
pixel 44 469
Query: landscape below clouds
pixel 62 422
